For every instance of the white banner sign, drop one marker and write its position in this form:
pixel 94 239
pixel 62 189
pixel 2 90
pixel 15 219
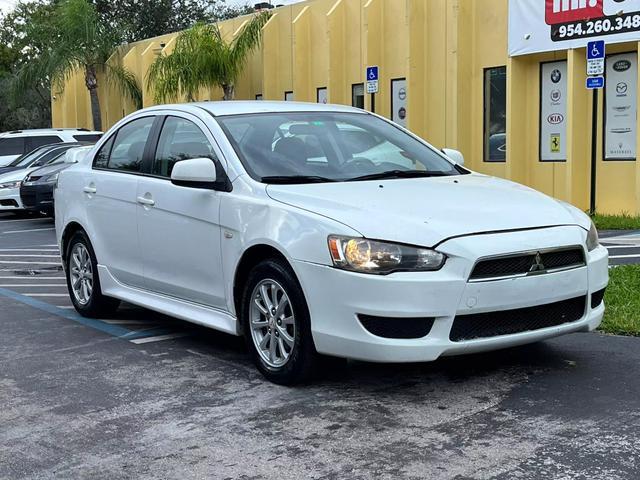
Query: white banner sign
pixel 553 111
pixel 621 107
pixel 549 25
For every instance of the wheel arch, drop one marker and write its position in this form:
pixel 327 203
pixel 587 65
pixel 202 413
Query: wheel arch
pixel 69 230
pixel 249 259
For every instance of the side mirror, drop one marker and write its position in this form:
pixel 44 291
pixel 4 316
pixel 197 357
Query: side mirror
pixel 195 173
pixel 454 155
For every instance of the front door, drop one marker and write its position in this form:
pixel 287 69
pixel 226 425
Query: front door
pixel 179 227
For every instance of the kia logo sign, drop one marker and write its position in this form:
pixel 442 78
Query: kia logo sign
pixel 622 65
pixel 555 118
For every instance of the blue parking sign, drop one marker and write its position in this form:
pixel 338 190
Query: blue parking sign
pixel 595 50
pixel 372 74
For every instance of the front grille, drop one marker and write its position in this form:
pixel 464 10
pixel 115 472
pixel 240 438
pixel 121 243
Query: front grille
pixel 397 327
pixel 597 298
pixel 28 198
pixel 508 322
pixel 522 264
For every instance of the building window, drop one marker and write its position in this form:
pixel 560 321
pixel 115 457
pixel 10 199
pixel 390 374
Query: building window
pixel 495 114
pixel 357 95
pixel 288 96
pixel 258 96
pixel 321 95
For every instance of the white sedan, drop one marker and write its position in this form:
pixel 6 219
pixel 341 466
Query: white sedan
pixel 283 222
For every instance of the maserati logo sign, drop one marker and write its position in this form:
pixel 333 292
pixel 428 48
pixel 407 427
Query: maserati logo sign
pixel 538 266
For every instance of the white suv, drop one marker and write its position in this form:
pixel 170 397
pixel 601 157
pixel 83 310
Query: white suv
pixel 18 142
pixel 283 222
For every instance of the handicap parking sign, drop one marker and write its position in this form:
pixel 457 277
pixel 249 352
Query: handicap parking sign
pixel 372 74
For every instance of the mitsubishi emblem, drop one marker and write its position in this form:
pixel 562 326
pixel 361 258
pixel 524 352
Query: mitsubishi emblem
pixel 538 266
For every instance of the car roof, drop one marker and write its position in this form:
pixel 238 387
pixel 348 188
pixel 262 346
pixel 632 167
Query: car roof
pixel 241 107
pixel 35 132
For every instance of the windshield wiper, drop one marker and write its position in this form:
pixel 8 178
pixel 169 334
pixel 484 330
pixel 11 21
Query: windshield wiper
pixel 295 179
pixel 399 174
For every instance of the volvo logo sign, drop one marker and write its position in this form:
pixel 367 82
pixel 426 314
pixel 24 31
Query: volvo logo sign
pixel 538 266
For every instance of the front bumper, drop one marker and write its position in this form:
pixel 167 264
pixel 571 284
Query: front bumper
pixel 10 199
pixel 336 298
pixel 37 197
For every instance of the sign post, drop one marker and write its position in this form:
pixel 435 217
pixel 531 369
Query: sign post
pixel 372 84
pixel 595 81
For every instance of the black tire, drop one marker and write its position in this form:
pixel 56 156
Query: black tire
pixel 99 305
pixel 303 357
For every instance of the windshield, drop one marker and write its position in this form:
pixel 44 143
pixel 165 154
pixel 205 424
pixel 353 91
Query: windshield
pixel 40 157
pixel 325 146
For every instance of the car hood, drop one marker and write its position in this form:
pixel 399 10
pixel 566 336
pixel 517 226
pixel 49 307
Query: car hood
pixel 15 175
pixel 9 169
pixel 49 169
pixel 427 211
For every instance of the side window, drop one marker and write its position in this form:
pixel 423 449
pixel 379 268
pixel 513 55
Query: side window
pixel 180 140
pixel 126 150
pixel 102 157
pixel 12 146
pixel 35 142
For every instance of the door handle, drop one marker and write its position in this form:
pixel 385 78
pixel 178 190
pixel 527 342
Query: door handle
pixel 90 189
pixel 146 201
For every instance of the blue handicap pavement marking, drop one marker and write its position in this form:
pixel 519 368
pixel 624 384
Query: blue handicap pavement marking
pixel 113 330
pixel 595 49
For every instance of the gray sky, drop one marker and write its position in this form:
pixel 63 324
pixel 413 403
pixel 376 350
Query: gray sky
pixel 6 5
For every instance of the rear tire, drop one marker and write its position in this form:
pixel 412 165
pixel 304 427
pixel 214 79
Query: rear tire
pixel 276 322
pixel 83 281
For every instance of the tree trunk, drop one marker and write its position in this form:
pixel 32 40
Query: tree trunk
pixel 229 91
pixel 91 81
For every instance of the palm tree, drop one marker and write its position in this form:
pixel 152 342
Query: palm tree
pixel 202 58
pixel 79 42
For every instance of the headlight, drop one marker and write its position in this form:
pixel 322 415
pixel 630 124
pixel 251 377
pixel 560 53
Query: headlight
pixel 592 238
pixel 50 179
pixel 11 184
pixel 370 256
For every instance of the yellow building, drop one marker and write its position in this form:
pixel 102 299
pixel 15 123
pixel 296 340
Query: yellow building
pixel 445 72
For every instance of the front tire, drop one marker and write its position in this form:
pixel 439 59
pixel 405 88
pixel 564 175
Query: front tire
pixel 83 281
pixel 276 323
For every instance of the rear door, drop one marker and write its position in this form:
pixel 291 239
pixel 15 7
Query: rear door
pixel 179 227
pixel 110 193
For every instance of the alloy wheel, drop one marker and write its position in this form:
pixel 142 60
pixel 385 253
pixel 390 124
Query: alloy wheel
pixel 81 273
pixel 272 323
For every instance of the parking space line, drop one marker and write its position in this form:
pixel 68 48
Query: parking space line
pixel 32 277
pixel 25 220
pixel 31 285
pixel 114 330
pixel 5 262
pixel 159 338
pixel 609 247
pixel 23 255
pixel 128 322
pixel 45 294
pixel 31 230
pixel 614 257
pixel 52 250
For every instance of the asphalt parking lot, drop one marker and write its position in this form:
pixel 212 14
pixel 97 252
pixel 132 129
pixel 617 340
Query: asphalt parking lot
pixel 145 396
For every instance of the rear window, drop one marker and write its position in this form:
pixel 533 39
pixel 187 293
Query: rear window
pixel 11 146
pixel 93 137
pixel 35 142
